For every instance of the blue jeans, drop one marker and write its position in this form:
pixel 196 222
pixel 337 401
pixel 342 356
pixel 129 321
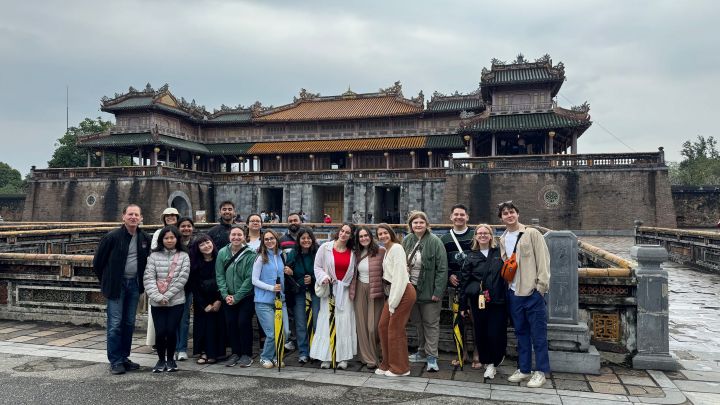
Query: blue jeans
pixel 301 324
pixel 121 321
pixel 530 322
pixel 184 327
pixel 266 317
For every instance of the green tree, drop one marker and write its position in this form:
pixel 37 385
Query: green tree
pixel 68 154
pixel 701 163
pixel 10 180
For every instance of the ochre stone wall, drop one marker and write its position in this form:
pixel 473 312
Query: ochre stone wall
pixel 697 207
pixel 70 199
pixel 569 199
pixel 576 199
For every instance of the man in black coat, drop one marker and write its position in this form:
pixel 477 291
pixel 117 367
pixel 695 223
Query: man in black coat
pixel 220 233
pixel 119 265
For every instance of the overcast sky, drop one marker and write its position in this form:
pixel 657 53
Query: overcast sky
pixel 647 68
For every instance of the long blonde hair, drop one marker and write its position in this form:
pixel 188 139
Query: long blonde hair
pixel 476 245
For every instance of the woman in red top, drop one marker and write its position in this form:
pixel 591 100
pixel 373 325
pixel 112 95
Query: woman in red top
pixel 335 268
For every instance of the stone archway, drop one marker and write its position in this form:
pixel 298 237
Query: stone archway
pixel 180 201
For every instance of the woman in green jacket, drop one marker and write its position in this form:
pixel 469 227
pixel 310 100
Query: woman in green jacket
pixel 427 265
pixel 233 271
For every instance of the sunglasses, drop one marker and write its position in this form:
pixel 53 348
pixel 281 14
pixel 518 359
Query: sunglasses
pixel 508 202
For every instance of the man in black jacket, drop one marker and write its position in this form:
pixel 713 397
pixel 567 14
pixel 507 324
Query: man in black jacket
pixel 220 233
pixel 119 264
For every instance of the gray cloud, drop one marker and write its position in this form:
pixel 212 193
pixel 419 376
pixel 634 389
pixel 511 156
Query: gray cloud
pixel 648 68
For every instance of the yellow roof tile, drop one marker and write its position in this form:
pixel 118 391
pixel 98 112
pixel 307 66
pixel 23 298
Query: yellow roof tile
pixel 362 107
pixel 340 145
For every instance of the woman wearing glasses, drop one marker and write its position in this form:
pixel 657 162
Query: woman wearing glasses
pixel 484 289
pixel 268 279
pixel 254 224
pixel 335 269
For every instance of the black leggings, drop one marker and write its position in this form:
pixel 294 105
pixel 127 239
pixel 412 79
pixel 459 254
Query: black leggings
pixel 166 320
pixel 239 325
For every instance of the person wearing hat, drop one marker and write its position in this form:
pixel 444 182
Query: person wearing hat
pixel 169 217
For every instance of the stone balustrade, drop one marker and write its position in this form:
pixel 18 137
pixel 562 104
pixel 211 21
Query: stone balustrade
pixel 558 161
pixel 698 249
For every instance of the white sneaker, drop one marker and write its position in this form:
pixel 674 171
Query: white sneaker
pixel 325 364
pixel 518 376
pixel 391 374
pixel 378 371
pixel 266 363
pixel 537 380
pixel 289 345
pixel 181 356
pixel 342 365
pixel 490 371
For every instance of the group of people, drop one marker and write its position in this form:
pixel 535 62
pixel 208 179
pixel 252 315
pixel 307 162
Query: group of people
pixel 376 282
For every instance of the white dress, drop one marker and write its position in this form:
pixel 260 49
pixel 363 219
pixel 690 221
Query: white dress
pixel 346 335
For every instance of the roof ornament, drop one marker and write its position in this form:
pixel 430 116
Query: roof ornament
pixel 349 93
pixel 395 89
pixel 165 87
pixel 544 59
pixel 582 108
pixel 520 59
pixel 149 89
pixel 496 61
pixel 132 89
pixel 306 95
pixel 466 114
pixel 420 99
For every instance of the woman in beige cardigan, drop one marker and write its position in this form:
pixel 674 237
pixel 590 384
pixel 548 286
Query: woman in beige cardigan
pixel 369 296
pixel 396 311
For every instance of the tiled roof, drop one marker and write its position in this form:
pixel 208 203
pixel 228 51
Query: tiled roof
pixel 351 145
pixel 341 108
pixel 245 116
pixel 119 140
pixel 228 148
pixel 499 123
pixel 444 141
pixel 534 74
pixel 129 103
pixel 455 104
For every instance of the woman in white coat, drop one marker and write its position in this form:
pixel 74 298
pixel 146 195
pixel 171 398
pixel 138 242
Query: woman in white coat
pixel 335 268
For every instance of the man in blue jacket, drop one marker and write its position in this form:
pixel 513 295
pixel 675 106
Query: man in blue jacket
pixel 119 264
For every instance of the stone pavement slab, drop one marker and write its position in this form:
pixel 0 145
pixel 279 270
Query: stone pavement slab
pixel 703 398
pixel 699 386
pixel 712 376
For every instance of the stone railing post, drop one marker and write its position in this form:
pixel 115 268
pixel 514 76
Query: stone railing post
pixel 652 309
pixel 568 338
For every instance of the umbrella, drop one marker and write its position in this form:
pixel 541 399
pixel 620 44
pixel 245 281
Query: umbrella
pixel 331 301
pixel 309 316
pixel 456 329
pixel 279 331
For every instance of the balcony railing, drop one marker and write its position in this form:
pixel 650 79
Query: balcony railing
pixel 175 173
pixel 521 108
pixel 650 159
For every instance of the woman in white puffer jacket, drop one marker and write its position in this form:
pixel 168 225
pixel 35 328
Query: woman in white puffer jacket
pixel 166 273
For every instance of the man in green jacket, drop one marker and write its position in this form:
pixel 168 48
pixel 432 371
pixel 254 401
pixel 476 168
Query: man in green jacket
pixel 427 265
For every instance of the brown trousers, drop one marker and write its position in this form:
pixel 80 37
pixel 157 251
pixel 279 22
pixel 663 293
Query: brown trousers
pixel 367 316
pixel 393 339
